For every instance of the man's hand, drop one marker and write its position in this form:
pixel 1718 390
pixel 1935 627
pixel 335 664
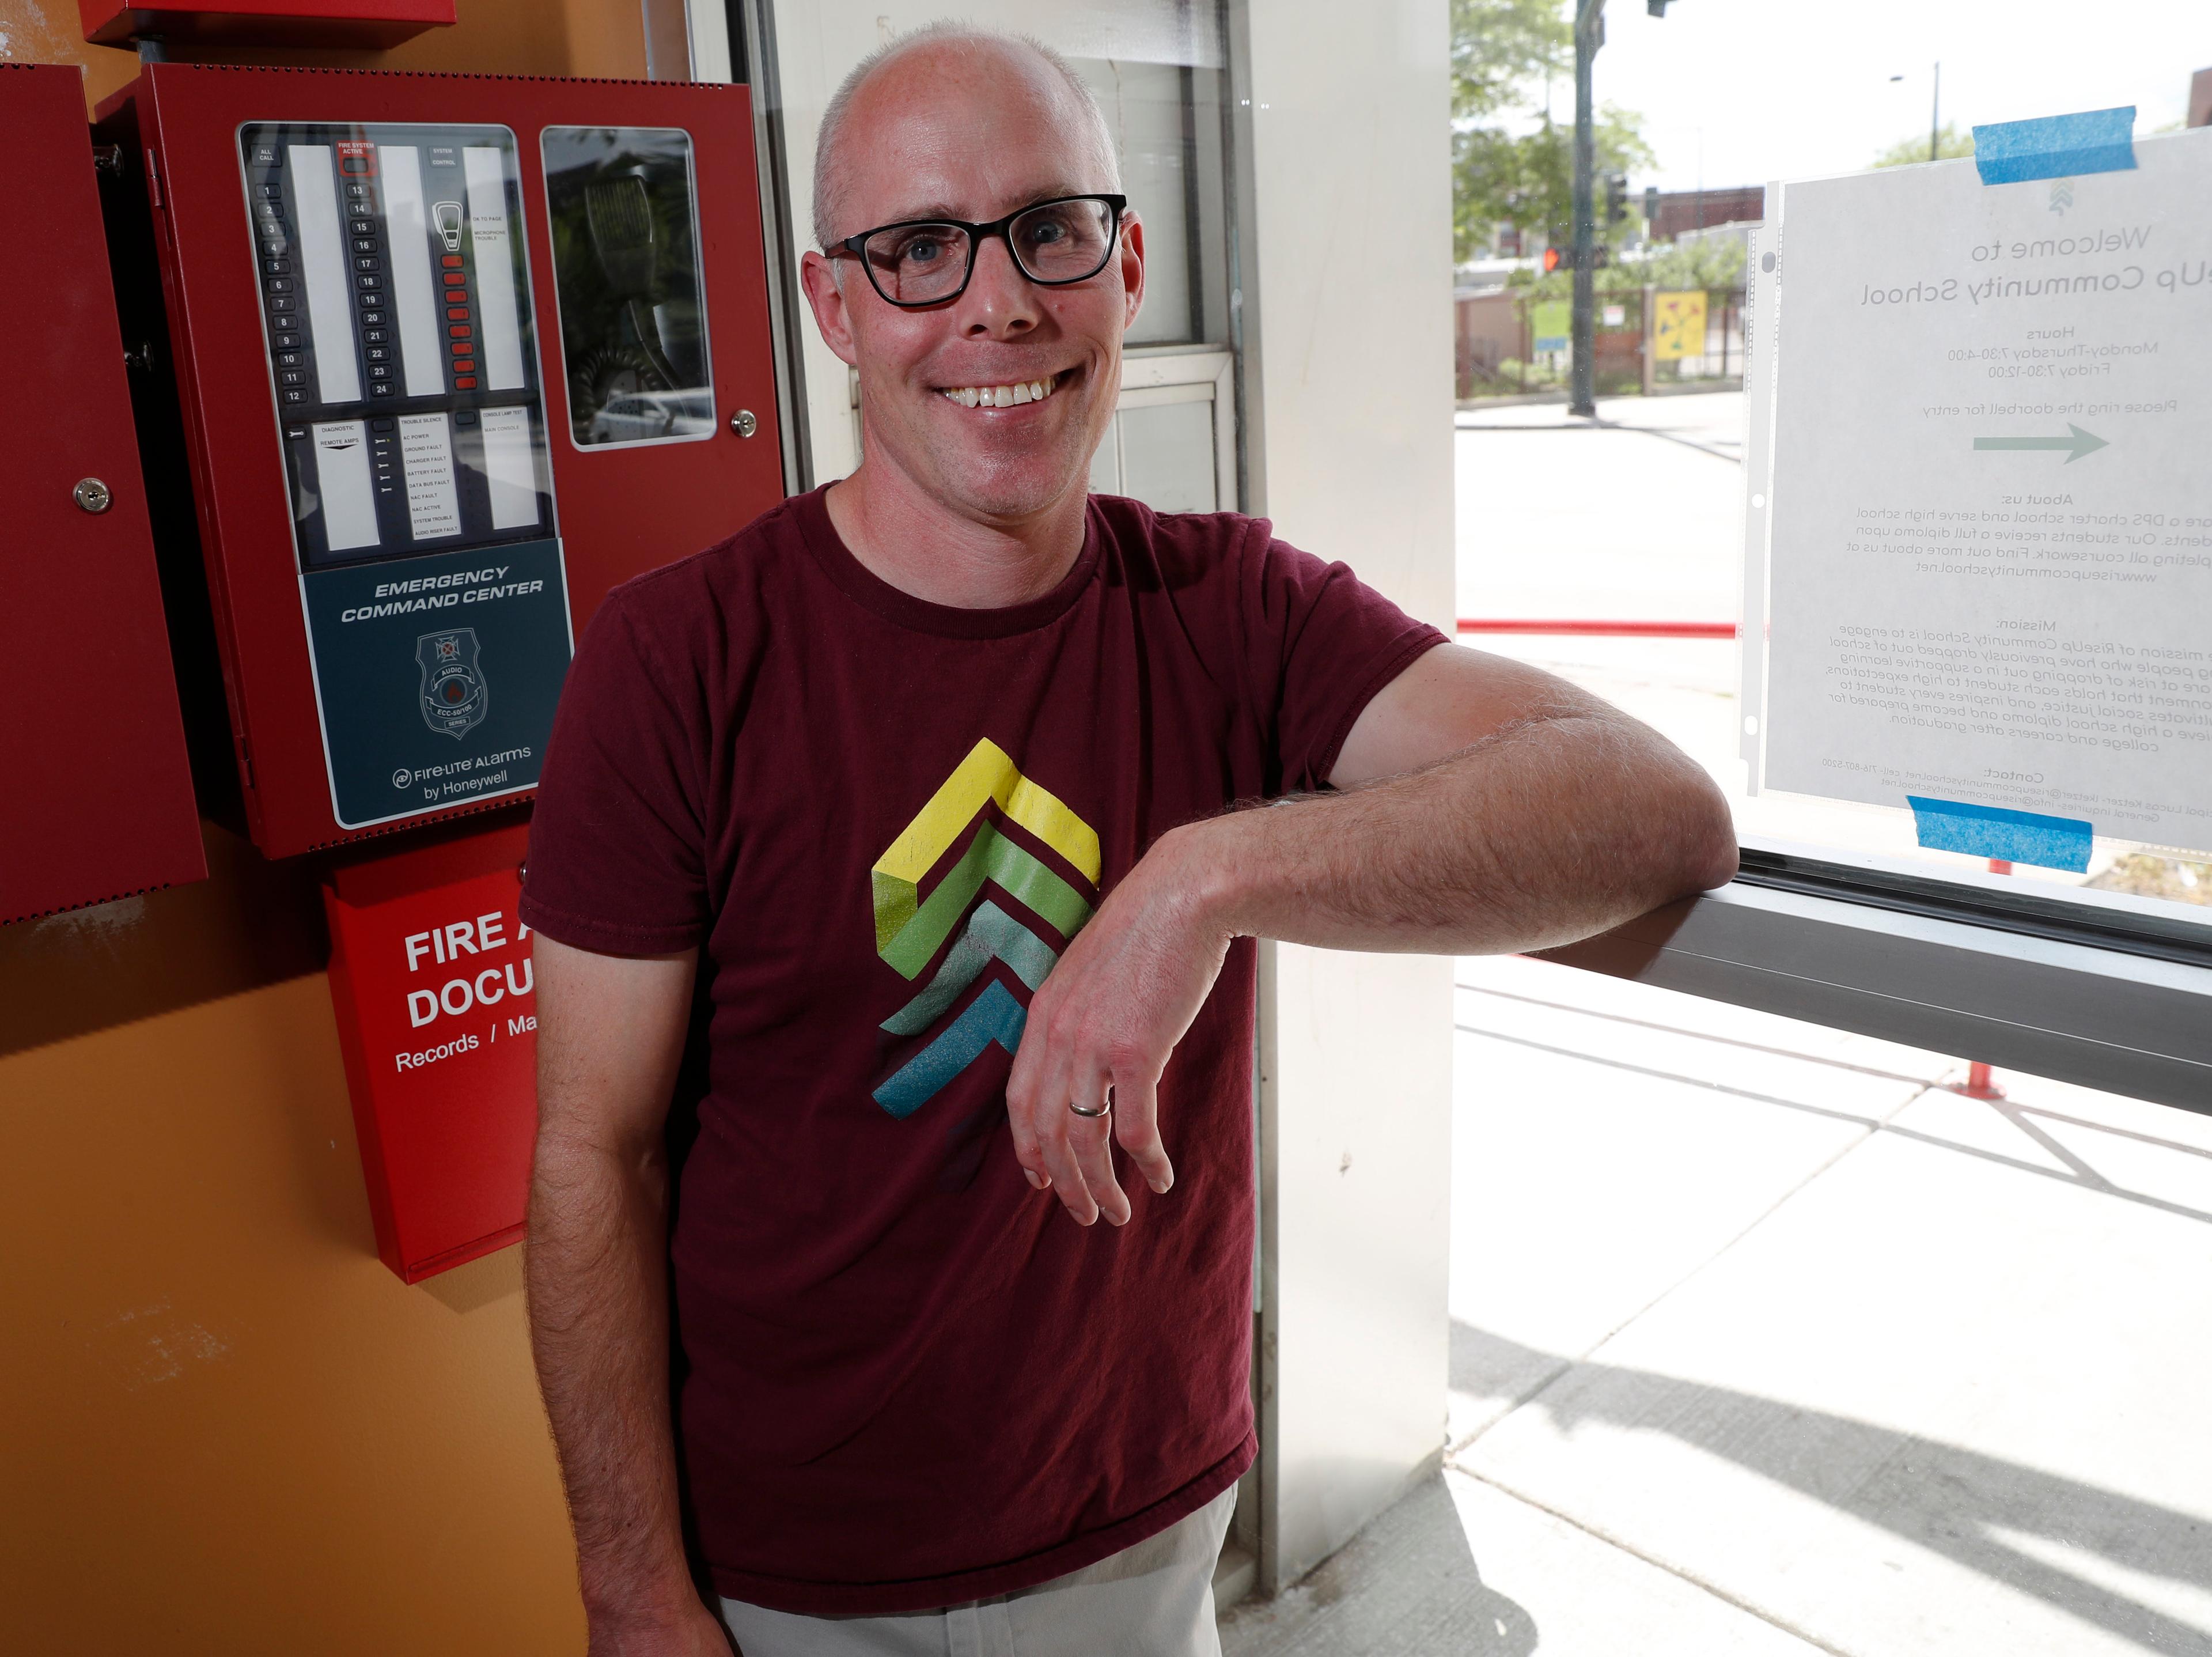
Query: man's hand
pixel 1108 1017
pixel 1485 808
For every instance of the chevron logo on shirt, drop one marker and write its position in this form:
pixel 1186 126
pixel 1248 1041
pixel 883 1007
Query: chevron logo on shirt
pixel 911 929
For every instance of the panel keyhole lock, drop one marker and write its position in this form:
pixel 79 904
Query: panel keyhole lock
pixel 743 422
pixel 92 494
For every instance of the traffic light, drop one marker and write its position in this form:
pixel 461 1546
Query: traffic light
pixel 1616 197
pixel 1556 258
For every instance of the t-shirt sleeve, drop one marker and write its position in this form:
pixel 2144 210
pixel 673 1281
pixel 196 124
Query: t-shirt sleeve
pixel 617 859
pixel 1322 642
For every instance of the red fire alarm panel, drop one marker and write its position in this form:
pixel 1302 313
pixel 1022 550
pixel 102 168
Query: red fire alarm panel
pixel 98 789
pixel 456 354
pixel 363 23
pixel 431 980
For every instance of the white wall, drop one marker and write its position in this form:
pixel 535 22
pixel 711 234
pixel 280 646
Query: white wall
pixel 1347 272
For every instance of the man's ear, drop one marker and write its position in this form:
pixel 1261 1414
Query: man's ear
pixel 827 300
pixel 1133 264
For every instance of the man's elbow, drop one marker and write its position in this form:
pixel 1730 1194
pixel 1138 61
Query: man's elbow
pixel 1706 845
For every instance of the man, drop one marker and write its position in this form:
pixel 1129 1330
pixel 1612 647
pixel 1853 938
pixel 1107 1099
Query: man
pixel 934 767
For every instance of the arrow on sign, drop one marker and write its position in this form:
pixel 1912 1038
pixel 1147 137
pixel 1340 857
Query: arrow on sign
pixel 2079 444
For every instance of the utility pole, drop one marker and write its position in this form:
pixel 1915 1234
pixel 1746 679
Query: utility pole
pixel 1589 35
pixel 1936 114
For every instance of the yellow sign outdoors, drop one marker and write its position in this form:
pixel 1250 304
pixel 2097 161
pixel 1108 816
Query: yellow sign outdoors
pixel 1680 331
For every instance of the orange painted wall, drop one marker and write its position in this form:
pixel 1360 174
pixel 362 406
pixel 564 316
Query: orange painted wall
pixel 224 1427
pixel 491 37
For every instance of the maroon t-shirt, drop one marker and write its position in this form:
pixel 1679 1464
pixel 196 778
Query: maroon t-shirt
pixel 909 1380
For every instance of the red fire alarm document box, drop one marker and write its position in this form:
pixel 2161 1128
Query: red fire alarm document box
pixel 97 793
pixel 431 976
pixel 455 355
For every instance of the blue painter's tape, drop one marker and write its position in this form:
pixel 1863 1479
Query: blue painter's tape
pixel 2017 837
pixel 2056 147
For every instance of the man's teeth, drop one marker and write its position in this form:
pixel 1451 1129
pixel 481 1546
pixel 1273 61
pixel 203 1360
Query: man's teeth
pixel 1004 396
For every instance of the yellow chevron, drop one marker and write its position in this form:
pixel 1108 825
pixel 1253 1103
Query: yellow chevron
pixel 986 775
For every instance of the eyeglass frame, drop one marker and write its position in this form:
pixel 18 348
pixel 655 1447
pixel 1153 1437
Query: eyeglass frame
pixel 980 234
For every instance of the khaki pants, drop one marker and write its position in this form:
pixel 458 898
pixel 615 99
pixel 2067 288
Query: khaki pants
pixel 1155 1599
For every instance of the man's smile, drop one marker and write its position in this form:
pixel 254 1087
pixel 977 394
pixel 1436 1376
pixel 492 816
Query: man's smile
pixel 1004 395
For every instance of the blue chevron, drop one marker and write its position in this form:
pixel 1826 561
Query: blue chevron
pixel 992 935
pixel 994 1015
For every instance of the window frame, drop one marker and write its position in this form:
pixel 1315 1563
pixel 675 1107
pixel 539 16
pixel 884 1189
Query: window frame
pixel 2104 997
pixel 2081 1008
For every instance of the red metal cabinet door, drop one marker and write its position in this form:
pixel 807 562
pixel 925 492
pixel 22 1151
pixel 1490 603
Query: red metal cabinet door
pixel 97 799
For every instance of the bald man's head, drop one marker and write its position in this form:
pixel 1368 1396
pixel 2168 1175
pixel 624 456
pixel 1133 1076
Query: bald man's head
pixel 945 54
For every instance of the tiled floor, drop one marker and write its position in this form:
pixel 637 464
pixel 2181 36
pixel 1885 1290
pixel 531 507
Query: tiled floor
pixel 1767 1341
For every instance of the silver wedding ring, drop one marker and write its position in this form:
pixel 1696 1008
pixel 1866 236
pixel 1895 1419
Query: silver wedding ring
pixel 1084 1111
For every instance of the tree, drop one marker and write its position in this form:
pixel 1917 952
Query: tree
pixel 1501 50
pixel 1498 46
pixel 1950 143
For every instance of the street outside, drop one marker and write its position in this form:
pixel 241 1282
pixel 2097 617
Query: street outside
pixel 1765 1339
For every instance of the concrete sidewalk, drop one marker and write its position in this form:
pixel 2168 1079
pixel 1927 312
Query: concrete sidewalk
pixel 1767 1341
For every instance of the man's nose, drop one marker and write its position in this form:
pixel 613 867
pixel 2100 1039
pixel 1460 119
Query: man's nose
pixel 1001 301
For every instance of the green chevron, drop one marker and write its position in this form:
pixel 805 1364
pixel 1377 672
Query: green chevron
pixel 992 935
pixel 916 936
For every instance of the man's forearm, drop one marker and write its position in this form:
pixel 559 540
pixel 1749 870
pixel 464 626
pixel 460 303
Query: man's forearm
pixel 1545 832
pixel 597 1274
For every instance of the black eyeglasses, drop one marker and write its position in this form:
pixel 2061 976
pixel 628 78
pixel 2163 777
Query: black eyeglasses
pixel 922 262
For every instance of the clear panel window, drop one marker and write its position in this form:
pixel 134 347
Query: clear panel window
pixel 626 276
pixel 1159 71
pixel 1926 592
pixel 1163 450
pixel 1165 117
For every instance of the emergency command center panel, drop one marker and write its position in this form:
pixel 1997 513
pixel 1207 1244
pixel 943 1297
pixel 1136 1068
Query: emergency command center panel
pixel 396 319
pixel 454 356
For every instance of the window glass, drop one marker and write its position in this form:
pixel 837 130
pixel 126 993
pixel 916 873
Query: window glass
pixel 1159 72
pixel 626 272
pixel 1168 454
pixel 1962 517
pixel 1165 117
